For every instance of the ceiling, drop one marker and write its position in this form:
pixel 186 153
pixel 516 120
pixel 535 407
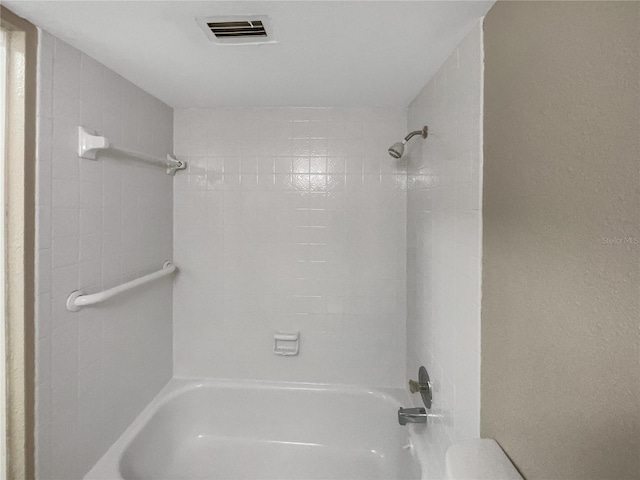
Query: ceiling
pixel 328 53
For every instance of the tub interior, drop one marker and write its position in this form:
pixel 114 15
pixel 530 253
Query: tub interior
pixel 254 433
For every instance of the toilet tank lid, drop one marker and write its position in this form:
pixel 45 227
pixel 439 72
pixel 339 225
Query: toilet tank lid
pixel 478 459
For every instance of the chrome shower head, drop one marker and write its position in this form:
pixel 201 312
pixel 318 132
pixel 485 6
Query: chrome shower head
pixel 397 149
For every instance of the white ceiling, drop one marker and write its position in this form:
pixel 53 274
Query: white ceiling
pixel 329 53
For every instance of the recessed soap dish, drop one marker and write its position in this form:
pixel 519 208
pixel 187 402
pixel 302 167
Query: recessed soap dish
pixel 286 343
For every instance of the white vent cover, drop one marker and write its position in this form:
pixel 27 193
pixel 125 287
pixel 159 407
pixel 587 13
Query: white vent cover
pixel 238 29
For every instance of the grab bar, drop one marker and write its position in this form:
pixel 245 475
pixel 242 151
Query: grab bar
pixel 78 299
pixel 90 144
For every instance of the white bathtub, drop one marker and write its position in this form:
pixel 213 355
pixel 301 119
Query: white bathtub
pixel 218 430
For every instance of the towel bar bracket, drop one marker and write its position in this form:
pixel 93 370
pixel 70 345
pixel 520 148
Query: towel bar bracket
pixel 89 144
pixel 174 165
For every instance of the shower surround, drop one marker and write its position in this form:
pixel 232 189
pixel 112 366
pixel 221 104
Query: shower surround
pixel 290 219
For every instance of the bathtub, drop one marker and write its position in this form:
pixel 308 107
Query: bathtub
pixel 217 430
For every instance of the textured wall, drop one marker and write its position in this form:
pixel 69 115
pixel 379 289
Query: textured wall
pixel 443 246
pixel 290 219
pixel 19 85
pixel 98 223
pixel 561 306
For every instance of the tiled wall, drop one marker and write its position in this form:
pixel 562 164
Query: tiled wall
pixel 444 245
pixel 98 223
pixel 290 219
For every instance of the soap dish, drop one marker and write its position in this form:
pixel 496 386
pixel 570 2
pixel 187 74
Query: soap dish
pixel 286 343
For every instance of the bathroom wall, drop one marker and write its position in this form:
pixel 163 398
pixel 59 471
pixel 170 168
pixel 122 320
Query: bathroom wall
pixel 290 219
pixel 444 247
pixel 98 223
pixel 561 273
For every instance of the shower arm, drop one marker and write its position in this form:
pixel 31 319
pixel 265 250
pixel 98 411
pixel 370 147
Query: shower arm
pixel 424 132
pixel 397 149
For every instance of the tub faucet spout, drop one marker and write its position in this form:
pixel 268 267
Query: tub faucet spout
pixel 412 415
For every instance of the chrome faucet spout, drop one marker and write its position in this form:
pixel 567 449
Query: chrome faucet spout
pixel 412 415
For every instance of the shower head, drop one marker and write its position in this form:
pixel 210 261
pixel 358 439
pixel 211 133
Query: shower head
pixel 397 149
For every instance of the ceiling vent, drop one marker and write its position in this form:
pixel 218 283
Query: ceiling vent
pixel 238 29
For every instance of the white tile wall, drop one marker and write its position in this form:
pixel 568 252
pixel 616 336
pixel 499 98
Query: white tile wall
pixel 290 219
pixel 98 223
pixel 444 246
pixel 287 219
